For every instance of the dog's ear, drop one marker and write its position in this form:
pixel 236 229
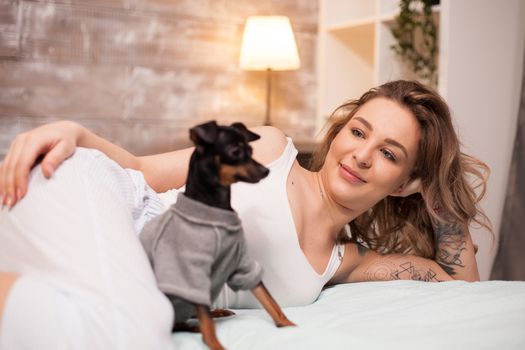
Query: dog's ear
pixel 248 135
pixel 204 134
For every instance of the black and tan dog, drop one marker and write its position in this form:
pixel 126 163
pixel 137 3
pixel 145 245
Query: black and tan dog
pixel 198 245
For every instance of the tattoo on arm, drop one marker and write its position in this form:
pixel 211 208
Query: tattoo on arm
pixel 388 270
pixel 451 241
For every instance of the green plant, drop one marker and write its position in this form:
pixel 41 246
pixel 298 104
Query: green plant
pixel 416 36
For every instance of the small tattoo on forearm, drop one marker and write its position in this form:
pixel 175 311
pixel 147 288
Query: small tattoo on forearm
pixel 450 243
pixel 388 270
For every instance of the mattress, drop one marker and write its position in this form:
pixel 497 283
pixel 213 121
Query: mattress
pixel 386 315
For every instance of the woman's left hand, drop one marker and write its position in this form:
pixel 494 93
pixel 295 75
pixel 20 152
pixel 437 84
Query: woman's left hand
pixel 411 187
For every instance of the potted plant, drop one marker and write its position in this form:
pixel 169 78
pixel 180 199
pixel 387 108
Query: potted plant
pixel 416 35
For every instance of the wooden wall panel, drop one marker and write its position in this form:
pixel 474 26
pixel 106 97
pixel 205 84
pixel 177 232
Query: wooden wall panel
pixel 9 40
pixel 142 72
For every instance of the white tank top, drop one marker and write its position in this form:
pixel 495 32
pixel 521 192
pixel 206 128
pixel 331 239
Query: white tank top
pixel 272 241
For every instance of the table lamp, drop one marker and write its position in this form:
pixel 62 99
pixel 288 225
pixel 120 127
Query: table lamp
pixel 268 44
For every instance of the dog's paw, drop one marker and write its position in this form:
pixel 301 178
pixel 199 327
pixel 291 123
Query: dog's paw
pixel 218 313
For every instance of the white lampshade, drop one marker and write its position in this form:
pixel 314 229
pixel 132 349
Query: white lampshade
pixel 268 42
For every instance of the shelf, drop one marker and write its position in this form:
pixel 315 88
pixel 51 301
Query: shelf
pixel 336 12
pixel 390 17
pixel 348 66
pixel 358 22
pixel 352 24
pixel 355 52
pixel 358 39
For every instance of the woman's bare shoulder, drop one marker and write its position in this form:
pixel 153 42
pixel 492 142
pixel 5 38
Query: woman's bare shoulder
pixel 271 144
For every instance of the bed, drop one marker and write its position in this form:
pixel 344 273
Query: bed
pixel 386 315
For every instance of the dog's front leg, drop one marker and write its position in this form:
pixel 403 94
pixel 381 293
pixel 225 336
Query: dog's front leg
pixel 207 327
pixel 269 303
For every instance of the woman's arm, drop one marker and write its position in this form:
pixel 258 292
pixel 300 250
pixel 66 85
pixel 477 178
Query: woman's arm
pixel 373 266
pixel 169 170
pixel 162 171
pixel 454 260
pixel 54 143
pixel 57 141
pixel 455 252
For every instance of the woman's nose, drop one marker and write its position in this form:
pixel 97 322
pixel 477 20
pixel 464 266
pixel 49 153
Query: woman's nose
pixel 363 157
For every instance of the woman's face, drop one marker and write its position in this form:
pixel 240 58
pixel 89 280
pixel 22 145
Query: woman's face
pixel 373 154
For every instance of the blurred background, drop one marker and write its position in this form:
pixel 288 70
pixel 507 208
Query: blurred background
pixel 141 72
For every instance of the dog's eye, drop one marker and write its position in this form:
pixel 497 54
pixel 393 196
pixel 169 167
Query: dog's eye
pixel 236 152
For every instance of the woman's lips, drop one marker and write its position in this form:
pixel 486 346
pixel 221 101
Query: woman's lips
pixel 350 175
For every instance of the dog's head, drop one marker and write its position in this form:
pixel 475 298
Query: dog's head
pixel 229 147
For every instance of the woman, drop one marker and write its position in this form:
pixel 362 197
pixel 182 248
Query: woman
pixel 390 166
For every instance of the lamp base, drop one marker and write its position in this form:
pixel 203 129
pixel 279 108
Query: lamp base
pixel 267 120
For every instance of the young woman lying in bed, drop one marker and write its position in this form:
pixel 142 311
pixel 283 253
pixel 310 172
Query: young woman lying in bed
pixel 387 197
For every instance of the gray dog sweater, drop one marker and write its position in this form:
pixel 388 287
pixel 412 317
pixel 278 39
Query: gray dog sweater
pixel 194 249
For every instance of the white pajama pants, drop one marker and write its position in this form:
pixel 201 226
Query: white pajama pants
pixel 86 281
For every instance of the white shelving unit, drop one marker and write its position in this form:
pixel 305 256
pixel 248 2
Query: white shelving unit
pixel 354 51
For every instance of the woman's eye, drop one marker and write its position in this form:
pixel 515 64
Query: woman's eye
pixel 389 155
pixel 357 133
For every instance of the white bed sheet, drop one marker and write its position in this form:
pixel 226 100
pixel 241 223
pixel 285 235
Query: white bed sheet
pixel 386 315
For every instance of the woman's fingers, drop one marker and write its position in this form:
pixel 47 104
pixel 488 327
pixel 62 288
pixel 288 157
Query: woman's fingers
pixel 8 171
pixel 25 157
pixel 28 156
pixel 16 169
pixel 12 174
pixel 56 141
pixel 3 182
pixel 56 156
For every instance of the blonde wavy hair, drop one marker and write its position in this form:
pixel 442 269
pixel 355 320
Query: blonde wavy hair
pixel 452 182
